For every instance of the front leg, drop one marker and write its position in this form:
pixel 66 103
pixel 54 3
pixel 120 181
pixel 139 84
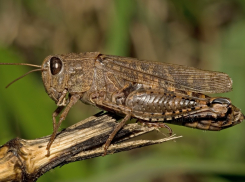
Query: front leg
pixel 73 100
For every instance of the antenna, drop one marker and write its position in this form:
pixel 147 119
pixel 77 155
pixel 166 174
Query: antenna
pixel 24 64
pixel 23 76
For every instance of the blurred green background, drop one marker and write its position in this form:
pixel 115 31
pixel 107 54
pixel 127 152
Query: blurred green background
pixel 208 34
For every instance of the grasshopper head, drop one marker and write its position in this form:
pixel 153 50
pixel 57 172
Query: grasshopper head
pixel 71 72
pixel 54 76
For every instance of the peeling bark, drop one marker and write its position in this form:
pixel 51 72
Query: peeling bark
pixel 26 160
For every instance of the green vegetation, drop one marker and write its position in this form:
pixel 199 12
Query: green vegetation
pixel 208 34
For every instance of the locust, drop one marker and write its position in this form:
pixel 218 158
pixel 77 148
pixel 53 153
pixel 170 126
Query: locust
pixel 154 93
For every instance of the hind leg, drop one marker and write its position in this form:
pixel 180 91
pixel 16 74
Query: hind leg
pixel 156 125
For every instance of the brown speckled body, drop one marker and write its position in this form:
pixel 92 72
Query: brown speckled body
pixel 152 92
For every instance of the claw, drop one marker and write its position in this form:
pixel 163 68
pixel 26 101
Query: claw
pixel 156 125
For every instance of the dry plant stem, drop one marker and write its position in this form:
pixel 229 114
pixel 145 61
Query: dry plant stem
pixel 25 160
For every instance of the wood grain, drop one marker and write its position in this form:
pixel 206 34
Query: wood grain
pixel 26 160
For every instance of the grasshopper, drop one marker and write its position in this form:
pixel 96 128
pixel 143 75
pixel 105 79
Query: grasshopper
pixel 152 92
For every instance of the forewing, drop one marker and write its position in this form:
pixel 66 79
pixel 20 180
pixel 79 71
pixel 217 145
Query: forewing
pixel 168 75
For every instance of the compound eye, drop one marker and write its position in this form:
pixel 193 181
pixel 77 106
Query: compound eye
pixel 221 101
pixel 55 65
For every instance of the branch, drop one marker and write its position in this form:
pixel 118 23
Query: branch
pixel 25 160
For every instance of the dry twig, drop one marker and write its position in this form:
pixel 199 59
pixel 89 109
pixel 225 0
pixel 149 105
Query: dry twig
pixel 25 160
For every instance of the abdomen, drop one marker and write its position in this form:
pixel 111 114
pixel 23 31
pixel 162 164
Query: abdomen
pixel 200 112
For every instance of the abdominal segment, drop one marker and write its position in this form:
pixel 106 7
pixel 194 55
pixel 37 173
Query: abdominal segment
pixel 200 111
